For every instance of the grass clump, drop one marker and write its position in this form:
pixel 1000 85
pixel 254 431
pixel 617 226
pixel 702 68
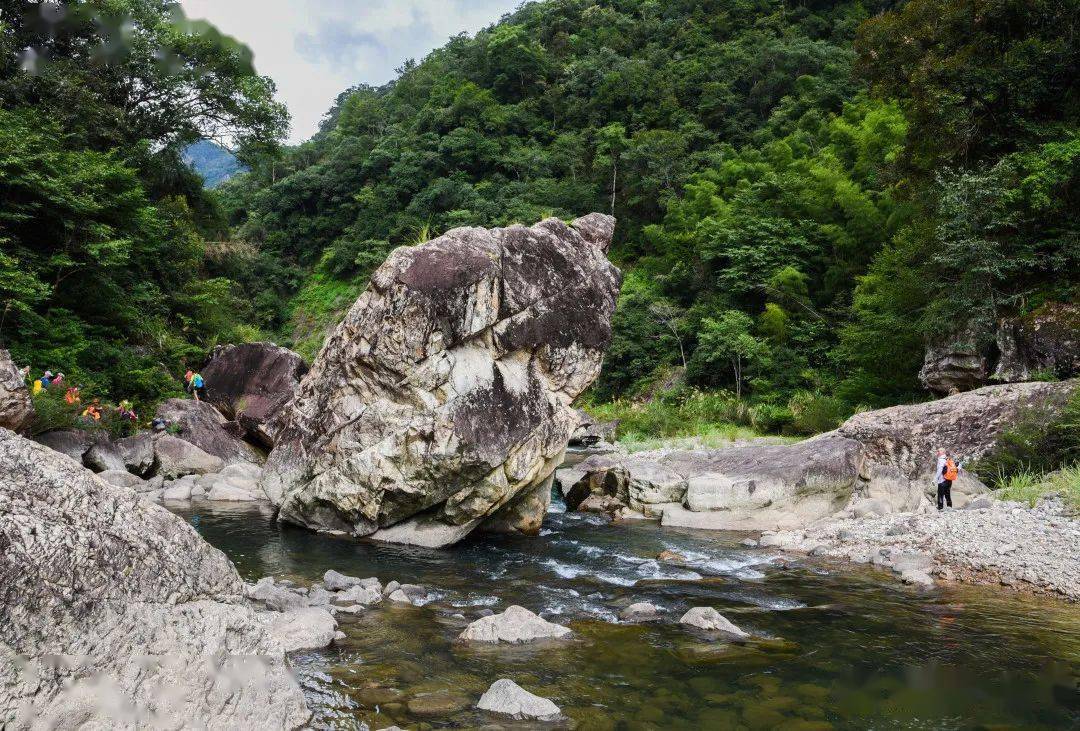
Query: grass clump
pixel 1028 486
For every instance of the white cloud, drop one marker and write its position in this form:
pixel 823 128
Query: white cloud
pixel 315 49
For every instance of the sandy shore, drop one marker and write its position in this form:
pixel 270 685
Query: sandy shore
pixel 1029 549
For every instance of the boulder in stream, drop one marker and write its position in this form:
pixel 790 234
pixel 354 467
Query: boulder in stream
pixel 515 625
pixel 709 619
pixel 507 698
pixel 148 617
pixel 446 391
pixel 175 458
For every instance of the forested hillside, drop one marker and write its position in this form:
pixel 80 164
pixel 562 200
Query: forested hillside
pixel 105 273
pixel 807 192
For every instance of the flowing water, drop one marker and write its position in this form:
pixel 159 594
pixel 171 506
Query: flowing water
pixel 835 647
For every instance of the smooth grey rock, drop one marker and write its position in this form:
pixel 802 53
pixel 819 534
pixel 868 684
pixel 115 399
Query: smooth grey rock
pixel 309 628
pixel 445 392
pixel 176 458
pixel 251 384
pixel 514 625
pixel 359 594
pixel 72 443
pixel 274 596
pixel 390 588
pixel 335 581
pixel 137 452
pixel 202 425
pixel 234 490
pixel 640 612
pixel 507 698
pixel 104 455
pixel 146 609
pixel 871 507
pixel 524 514
pixel 709 619
pixel 123 478
pixel 16 407
pixel 179 490
pixel 399 597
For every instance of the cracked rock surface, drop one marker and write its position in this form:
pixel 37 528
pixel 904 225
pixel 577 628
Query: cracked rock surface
pixel 445 393
pixel 114 613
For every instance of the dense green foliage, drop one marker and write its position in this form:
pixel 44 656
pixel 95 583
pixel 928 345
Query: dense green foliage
pixel 1034 445
pixel 103 269
pixel 806 192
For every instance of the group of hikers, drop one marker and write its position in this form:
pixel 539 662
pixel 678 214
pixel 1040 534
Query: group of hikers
pixel 91 412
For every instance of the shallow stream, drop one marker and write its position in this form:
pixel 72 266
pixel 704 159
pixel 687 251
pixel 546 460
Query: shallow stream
pixel 838 647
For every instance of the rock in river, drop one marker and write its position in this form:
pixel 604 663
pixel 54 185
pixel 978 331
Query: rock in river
pixel 445 393
pixel 510 699
pixel 148 617
pixel 516 624
pixel 709 619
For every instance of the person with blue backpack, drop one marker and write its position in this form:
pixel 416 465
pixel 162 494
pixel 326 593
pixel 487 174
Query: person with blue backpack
pixel 198 385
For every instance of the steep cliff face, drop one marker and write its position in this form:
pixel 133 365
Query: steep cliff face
pixel 148 616
pixel 445 392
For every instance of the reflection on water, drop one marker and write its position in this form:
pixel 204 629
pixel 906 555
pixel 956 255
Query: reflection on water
pixel 836 647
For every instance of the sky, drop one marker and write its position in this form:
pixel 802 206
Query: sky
pixel 315 49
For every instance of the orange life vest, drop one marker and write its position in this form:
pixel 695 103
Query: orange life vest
pixel 950 471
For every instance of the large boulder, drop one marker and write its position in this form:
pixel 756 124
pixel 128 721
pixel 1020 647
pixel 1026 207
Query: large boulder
pixel 147 617
pixel 958 363
pixel 515 625
pixel 72 443
pixel 251 384
pixel 104 455
pixel 446 391
pixel 137 452
pixel 525 513
pixel 968 425
pixel 202 425
pixel 507 698
pixel 175 458
pixel 16 408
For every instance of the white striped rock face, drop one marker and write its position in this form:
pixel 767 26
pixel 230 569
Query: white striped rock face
pixel 445 393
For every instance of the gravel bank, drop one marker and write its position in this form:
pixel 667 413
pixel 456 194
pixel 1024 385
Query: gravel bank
pixel 992 542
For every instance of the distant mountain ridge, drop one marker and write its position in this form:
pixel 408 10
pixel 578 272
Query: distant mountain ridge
pixel 213 162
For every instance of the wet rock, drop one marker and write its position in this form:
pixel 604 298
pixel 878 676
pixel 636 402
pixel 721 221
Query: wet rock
pixel 640 612
pixel 359 594
pixel 673 556
pixel 399 597
pixel 602 504
pixel 709 619
pixel 73 443
pixel 141 590
pixel 179 490
pixel 437 705
pixel 391 587
pixel 251 383
pixel 176 458
pixel 204 426
pixel 16 407
pixel 507 698
pixel 515 625
pixel 446 390
pixel 524 514
pixel 309 628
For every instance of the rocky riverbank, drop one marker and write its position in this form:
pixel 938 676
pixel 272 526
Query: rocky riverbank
pixel 988 542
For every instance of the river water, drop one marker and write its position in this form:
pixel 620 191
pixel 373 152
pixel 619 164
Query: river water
pixel 837 647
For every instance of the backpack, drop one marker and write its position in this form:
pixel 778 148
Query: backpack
pixel 197 380
pixel 950 472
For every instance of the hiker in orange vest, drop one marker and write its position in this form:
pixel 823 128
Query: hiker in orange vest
pixel 72 396
pixel 947 471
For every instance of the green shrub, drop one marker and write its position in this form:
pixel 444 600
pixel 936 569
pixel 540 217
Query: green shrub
pixel 1034 444
pixel 770 418
pixel 814 413
pixel 1028 486
pixel 53 412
